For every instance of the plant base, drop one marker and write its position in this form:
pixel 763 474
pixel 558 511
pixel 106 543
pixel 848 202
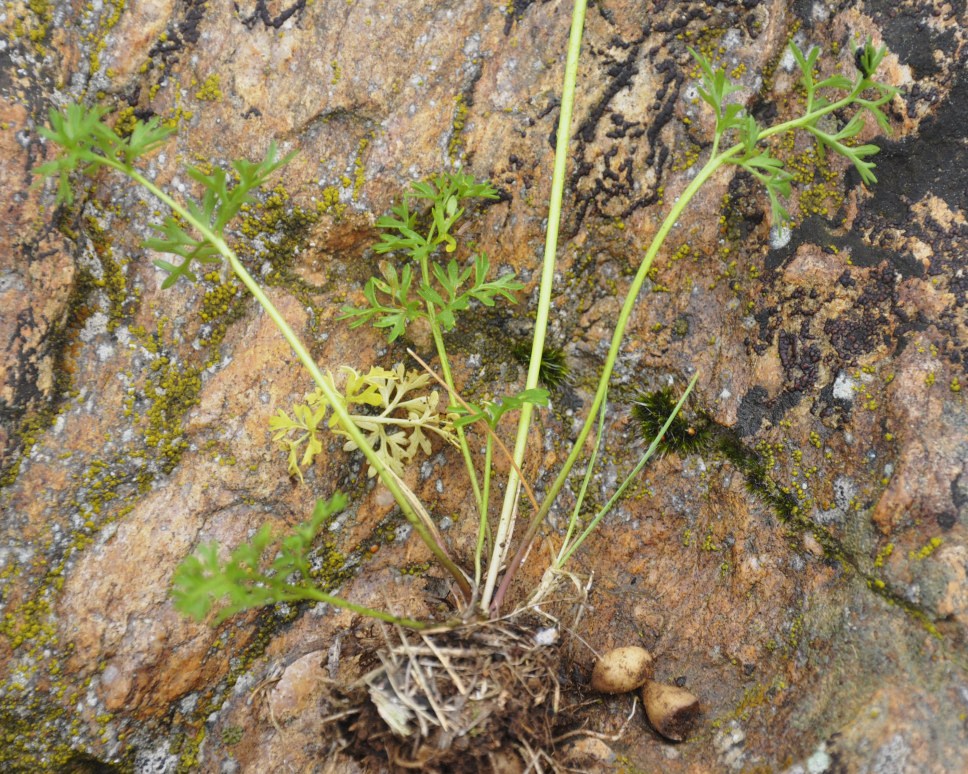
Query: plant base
pixel 487 696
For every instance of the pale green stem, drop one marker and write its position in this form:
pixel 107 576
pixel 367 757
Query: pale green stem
pixel 505 526
pixel 479 497
pixel 617 337
pixel 714 163
pixel 334 399
pixel 586 480
pixel 465 449
pixel 566 550
pixel 710 167
pixel 321 596
pixel 482 526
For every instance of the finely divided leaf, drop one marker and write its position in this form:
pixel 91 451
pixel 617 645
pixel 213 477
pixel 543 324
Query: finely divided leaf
pixel 492 411
pixel 203 583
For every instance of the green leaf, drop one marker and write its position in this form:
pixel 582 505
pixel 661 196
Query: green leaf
pixel 771 173
pixel 406 413
pixel 300 432
pixel 85 143
pixel 202 583
pixel 444 192
pixel 177 241
pixel 868 59
pixel 397 312
pixel 806 63
pixel 492 411
pixel 856 154
pixel 749 134
pixel 716 87
pixel 146 137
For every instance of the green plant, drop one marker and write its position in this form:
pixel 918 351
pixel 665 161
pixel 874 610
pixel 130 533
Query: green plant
pixel 748 151
pixel 373 411
pixel 244 580
pixel 396 428
pixel 196 232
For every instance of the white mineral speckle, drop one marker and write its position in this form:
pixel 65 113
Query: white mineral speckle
pixel 780 236
pixel 819 762
pixel 95 326
pixel 844 387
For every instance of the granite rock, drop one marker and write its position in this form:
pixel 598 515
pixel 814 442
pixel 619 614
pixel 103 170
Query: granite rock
pixel 804 574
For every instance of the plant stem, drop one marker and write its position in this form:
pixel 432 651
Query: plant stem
pixel 502 538
pixel 479 497
pixel 482 527
pixel 566 550
pixel 617 337
pixel 309 592
pixel 708 169
pixel 580 500
pixel 449 379
pixel 333 397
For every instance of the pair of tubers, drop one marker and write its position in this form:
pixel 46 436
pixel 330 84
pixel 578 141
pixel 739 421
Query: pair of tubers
pixel 672 711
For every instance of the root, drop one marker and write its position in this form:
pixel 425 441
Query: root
pixel 482 697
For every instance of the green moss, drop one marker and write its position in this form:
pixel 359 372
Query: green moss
pixel 415 568
pixel 553 371
pixel 927 549
pixel 42 12
pixel 125 121
pixel 222 305
pixel 688 434
pixel 112 280
pixel 755 697
pixel 359 169
pixel 109 16
pixel 276 231
pixel 170 390
pixel 232 735
pixel 330 202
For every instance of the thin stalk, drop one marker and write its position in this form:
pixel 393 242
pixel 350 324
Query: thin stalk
pixel 617 337
pixel 710 167
pixel 321 596
pixel 566 554
pixel 454 395
pixel 479 497
pixel 806 118
pixel 465 448
pixel 334 399
pixel 482 528
pixel 502 538
pixel 579 501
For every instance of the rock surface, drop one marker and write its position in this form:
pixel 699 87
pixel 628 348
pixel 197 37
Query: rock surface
pixel 807 579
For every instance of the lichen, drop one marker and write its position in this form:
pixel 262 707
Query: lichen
pixel 455 151
pixel 359 168
pixel 210 90
pixel 102 20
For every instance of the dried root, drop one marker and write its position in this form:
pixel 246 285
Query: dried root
pixel 484 697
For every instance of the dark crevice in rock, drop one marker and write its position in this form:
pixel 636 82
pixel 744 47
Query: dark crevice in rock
pixel 261 14
pixel 182 33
